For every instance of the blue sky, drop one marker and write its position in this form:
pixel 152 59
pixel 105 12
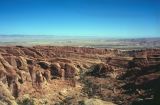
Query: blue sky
pixel 109 18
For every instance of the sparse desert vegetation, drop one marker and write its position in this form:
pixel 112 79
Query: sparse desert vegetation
pixel 79 52
pixel 50 75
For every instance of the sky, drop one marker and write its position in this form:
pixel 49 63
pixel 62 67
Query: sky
pixel 107 18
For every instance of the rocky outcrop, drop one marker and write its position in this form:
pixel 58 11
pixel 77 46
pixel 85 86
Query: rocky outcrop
pixel 11 76
pixel 22 63
pixel 36 76
pixel 6 97
pixel 43 71
pixel 101 70
pixel 44 64
pixel 70 71
pixel 63 70
pixel 56 70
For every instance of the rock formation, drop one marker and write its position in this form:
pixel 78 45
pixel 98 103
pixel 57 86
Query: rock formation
pixel 42 72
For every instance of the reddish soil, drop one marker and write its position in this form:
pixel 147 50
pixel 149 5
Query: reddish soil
pixel 68 75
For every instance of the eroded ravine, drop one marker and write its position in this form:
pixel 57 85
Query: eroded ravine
pixel 49 75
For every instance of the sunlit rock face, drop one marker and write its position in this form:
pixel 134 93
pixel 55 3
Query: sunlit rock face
pixel 47 75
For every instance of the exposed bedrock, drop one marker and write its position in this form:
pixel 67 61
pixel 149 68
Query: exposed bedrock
pixel 59 73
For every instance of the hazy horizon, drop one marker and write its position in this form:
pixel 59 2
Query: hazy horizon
pixel 79 36
pixel 81 41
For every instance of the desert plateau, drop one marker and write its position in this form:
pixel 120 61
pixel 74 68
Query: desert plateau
pixel 63 75
pixel 79 52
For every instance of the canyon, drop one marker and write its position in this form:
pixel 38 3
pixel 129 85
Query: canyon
pixel 65 75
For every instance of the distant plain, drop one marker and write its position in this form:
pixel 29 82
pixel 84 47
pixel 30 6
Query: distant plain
pixel 80 41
